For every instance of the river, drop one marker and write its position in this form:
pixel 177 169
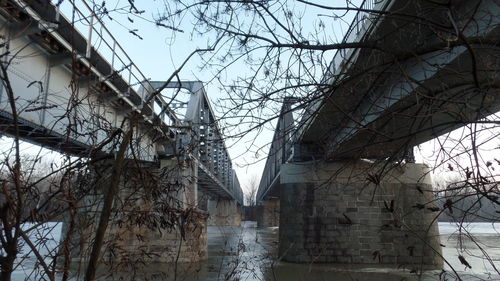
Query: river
pixel 249 253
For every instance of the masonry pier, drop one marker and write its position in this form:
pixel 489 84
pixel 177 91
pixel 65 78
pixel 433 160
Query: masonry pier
pixel 268 212
pixel 358 212
pixel 224 212
pixel 153 218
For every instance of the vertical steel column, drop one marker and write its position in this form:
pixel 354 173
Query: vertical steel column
pixel 89 37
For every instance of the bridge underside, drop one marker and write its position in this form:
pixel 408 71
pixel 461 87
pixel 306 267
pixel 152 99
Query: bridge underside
pixel 32 132
pixel 414 88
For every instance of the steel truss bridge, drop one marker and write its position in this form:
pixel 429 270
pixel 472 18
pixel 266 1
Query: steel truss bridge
pixel 72 91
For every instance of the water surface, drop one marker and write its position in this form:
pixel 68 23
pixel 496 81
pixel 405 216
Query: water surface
pixel 250 253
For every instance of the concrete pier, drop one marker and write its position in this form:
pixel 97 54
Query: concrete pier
pixel 346 212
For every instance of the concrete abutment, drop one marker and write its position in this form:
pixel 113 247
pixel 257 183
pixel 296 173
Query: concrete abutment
pixel 352 213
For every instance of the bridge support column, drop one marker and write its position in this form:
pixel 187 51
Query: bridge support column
pixel 152 218
pixel 268 213
pixel 351 213
pixel 224 212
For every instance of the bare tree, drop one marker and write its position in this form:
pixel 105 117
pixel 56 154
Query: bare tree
pixel 251 191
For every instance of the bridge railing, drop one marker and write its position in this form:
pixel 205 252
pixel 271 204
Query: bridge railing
pixel 356 32
pixel 101 39
pixel 281 150
pixel 361 25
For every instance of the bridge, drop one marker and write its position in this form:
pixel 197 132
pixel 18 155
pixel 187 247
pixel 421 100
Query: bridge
pixel 80 95
pixel 341 183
